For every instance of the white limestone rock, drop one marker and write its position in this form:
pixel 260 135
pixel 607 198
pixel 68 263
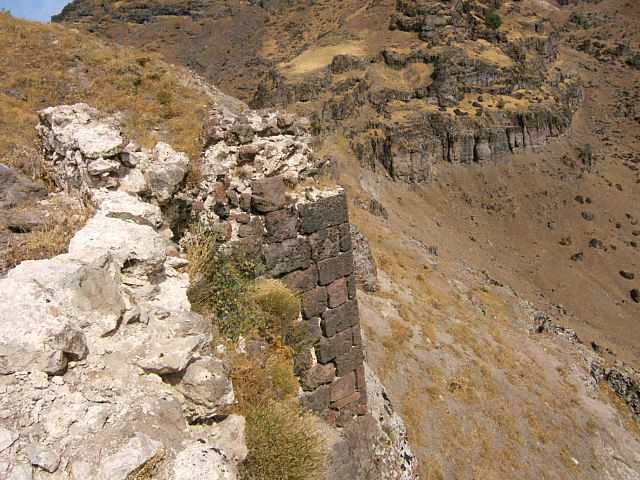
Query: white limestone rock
pixel 133 182
pixel 43 457
pixel 229 436
pixel 7 438
pixel 121 205
pixel 81 127
pixel 207 389
pixel 138 246
pixel 139 450
pixel 52 306
pixel 21 471
pixel 202 461
pixel 171 356
pixel 166 172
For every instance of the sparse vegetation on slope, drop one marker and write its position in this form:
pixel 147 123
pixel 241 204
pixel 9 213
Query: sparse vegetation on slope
pixel 43 65
pixel 58 219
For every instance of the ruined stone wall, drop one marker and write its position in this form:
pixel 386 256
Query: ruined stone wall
pixel 259 193
pixel 305 240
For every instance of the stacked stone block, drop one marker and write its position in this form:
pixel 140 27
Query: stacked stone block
pixel 304 239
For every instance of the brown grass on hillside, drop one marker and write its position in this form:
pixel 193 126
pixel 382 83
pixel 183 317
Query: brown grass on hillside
pixel 47 64
pixel 62 218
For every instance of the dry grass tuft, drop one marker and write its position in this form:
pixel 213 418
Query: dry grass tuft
pixel 284 444
pixel 263 378
pixel 283 440
pixel 280 306
pixel 63 217
pixel 47 64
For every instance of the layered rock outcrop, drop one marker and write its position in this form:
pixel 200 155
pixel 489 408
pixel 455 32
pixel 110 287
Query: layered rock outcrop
pixel 468 93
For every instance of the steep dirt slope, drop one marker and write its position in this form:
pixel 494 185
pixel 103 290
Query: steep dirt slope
pixel 484 214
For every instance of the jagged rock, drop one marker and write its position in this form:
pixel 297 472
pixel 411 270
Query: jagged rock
pixel 206 388
pixel 43 457
pixel 170 356
pixel 167 172
pixel 80 127
pixel 139 247
pixel 635 295
pixel 134 182
pixel 74 290
pixel 138 451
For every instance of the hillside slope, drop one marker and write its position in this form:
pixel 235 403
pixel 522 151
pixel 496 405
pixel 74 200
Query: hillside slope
pixel 495 173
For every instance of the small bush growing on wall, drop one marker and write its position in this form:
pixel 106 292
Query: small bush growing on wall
pixel 493 20
pixel 280 307
pixel 221 285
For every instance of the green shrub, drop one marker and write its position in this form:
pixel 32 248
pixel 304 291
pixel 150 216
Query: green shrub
pixel 493 20
pixel 284 444
pixel 278 304
pixel 221 285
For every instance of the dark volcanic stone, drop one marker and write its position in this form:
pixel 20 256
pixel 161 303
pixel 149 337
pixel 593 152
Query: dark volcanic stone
pixel 333 268
pixel 339 319
pixel 577 257
pixel 285 257
pixel 302 280
pixel 635 295
pixel 314 302
pixel 595 243
pixel 281 224
pixel 268 194
pixel 627 275
pixel 16 188
pixel 324 213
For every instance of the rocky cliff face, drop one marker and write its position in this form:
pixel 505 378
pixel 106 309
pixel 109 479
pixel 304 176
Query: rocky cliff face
pixel 415 84
pixel 464 93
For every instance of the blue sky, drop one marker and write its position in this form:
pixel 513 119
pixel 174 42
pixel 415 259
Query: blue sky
pixel 33 9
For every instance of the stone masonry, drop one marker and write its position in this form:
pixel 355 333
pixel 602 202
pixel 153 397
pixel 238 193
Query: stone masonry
pixel 260 195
